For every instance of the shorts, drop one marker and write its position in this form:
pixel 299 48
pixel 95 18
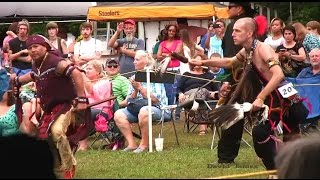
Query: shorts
pixel 156 114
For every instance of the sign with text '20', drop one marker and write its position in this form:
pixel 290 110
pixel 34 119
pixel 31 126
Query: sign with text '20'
pixel 287 90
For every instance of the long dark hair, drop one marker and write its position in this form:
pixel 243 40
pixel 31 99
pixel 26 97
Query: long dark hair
pixel 176 35
pixel 185 37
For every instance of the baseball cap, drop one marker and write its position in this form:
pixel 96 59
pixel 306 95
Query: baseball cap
pixel 130 21
pixel 112 60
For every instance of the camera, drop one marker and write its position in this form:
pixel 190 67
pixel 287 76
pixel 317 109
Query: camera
pixel 216 25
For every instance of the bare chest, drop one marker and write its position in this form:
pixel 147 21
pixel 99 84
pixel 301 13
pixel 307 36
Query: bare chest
pixel 261 66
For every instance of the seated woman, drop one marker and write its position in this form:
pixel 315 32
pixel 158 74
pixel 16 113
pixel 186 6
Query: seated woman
pixel 8 119
pixel 138 92
pixel 188 88
pixel 97 89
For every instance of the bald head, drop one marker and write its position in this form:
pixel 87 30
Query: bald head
pixel 249 24
pixel 243 30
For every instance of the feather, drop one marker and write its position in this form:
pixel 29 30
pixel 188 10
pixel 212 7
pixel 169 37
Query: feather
pixel 180 57
pixel 262 24
pixel 164 64
pixel 226 115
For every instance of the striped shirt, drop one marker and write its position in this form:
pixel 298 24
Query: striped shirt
pixel 120 85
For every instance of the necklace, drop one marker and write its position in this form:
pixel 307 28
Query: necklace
pixel 45 57
pixel 250 52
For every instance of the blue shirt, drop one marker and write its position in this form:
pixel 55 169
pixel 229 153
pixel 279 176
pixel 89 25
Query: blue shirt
pixel 157 89
pixel 306 73
pixel 203 42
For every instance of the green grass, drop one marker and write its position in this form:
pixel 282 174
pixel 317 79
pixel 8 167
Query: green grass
pixel 189 160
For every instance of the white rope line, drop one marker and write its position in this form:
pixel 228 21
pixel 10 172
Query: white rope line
pixel 297 85
pixel 108 77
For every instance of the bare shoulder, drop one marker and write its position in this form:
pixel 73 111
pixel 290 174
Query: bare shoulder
pixel 266 52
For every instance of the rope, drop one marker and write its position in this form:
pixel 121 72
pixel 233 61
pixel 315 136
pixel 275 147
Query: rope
pixel 246 175
pixel 107 77
pixel 191 77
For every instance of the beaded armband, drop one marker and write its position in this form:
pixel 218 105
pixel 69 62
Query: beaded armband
pixel 16 82
pixel 272 62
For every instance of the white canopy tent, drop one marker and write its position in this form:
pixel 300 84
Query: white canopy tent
pixel 43 10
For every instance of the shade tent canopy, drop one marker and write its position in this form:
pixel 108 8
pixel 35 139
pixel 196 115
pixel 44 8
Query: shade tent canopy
pixel 33 10
pixel 150 11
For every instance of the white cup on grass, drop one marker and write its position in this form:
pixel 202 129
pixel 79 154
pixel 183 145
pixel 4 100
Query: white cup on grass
pixel 159 144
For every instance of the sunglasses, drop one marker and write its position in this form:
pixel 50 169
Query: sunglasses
pixel 114 66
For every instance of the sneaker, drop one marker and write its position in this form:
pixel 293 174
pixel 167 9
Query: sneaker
pixel 140 150
pixel 127 149
pixel 117 145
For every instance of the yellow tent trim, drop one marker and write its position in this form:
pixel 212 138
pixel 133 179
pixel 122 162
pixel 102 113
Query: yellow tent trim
pixel 222 12
pixel 106 13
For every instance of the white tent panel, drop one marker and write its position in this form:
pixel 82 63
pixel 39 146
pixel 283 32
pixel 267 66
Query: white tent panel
pixel 152 32
pixel 44 8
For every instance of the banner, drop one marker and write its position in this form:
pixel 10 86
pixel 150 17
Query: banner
pixel 309 88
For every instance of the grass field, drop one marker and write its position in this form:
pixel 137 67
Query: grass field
pixel 189 160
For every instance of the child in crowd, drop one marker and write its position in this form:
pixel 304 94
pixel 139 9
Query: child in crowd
pixel 215 70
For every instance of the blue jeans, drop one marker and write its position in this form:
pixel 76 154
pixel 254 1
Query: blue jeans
pixel 171 92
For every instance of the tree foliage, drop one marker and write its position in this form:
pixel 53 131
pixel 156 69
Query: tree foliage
pixel 301 11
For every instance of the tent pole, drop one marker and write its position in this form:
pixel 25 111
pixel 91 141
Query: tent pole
pixel 148 68
pixel 108 35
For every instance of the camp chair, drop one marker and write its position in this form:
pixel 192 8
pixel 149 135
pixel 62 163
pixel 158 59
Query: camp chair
pixel 192 121
pixel 172 108
pixel 166 78
pixel 161 122
pixel 106 136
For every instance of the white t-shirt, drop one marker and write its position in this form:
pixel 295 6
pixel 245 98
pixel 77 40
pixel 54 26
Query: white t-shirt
pixel 274 43
pixel 88 48
pixel 184 67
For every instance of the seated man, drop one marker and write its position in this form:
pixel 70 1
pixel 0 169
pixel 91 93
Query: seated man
pixel 311 75
pixel 120 84
pixel 138 91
